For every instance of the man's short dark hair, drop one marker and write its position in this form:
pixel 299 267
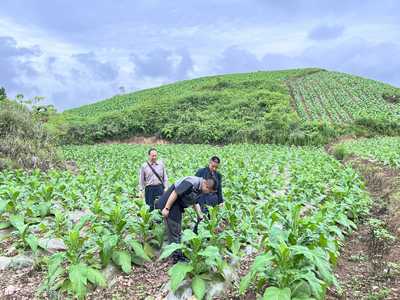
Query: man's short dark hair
pixel 215 159
pixel 212 183
pixel 151 149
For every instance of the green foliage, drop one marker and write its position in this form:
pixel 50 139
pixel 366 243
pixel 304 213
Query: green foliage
pixel 24 142
pixel 298 107
pixel 266 189
pixel 253 107
pixel 3 94
pixel 340 152
pixel 383 149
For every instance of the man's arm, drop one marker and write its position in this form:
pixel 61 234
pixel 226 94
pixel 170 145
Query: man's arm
pixel 141 182
pixel 171 200
pixel 219 190
pixel 165 178
pixel 199 173
pixel 198 211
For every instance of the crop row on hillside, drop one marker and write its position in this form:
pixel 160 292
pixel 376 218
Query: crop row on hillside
pixel 293 205
pixel 385 150
pixel 342 98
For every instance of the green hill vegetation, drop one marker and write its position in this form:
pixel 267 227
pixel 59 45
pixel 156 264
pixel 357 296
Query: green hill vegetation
pixel 301 106
pixel 24 141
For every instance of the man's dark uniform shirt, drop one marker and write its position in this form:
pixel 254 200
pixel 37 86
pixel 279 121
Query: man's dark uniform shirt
pixel 188 191
pixel 212 199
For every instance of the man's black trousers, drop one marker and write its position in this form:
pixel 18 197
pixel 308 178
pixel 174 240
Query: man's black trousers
pixel 174 220
pixel 151 192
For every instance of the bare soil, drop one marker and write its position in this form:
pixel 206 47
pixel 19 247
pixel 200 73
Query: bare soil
pixel 145 140
pixel 370 269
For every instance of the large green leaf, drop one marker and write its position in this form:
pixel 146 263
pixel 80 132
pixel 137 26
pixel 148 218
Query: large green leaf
pixel 260 263
pixel 77 275
pixel 4 225
pixel 123 259
pixel 32 242
pixel 55 268
pixel 148 249
pixel 211 254
pixel 95 277
pixel 319 259
pixel 169 249
pixel 18 222
pixel 274 293
pixel 317 286
pixel 300 289
pixel 138 249
pixel 199 287
pixel 178 273
pixel 108 244
pixel 3 205
pixel 245 282
pixel 188 235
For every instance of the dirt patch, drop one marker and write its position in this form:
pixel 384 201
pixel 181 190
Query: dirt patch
pixel 244 267
pixel 369 267
pixel 330 148
pixel 143 281
pixel 20 284
pixel 145 140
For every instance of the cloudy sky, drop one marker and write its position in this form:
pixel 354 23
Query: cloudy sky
pixel 77 52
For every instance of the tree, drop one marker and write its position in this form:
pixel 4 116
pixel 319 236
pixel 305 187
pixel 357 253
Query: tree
pixel 3 94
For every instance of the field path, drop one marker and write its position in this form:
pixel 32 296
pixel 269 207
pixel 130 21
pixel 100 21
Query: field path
pixel 368 267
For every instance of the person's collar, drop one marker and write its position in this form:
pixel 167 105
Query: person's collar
pixel 153 163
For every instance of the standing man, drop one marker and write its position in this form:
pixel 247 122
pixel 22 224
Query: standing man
pixel 153 179
pixel 184 193
pixel 210 171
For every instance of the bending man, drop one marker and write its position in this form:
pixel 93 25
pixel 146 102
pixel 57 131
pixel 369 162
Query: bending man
pixel 184 193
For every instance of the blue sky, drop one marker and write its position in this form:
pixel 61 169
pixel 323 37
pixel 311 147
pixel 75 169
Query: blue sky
pixel 78 52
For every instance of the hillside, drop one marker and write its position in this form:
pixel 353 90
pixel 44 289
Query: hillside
pixel 302 106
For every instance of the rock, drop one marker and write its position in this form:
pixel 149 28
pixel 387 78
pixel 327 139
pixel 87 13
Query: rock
pixel 4 233
pixel 249 250
pixel 10 290
pixel 76 215
pixel 214 288
pixel 184 292
pixel 16 262
pixel 306 210
pixel 52 245
pixel 110 273
pixel 21 261
pixel 4 262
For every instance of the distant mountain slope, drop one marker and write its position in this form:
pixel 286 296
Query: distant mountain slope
pixel 301 106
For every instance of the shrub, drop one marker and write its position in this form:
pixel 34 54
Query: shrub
pixel 24 142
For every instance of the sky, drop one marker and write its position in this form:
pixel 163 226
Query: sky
pixel 78 52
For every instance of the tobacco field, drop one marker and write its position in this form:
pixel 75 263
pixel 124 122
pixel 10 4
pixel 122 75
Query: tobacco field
pixel 293 206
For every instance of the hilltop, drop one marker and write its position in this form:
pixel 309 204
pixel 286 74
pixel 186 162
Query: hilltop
pixel 300 106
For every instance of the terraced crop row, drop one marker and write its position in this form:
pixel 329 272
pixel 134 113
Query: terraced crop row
pixel 341 98
pixel 385 150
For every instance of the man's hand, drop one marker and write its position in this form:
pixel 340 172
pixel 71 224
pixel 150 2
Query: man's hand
pixel 141 196
pixel 165 212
